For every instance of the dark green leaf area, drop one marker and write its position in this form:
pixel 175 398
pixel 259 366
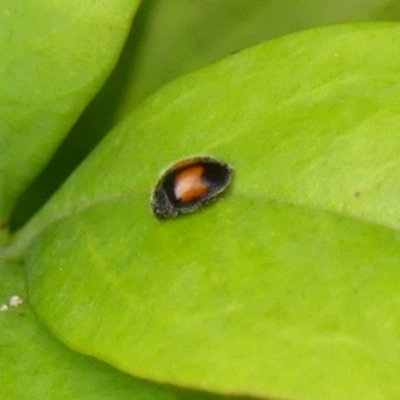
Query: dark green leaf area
pixel 247 296
pixel 36 366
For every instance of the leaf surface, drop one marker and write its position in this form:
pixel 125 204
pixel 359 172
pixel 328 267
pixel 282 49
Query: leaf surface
pixel 287 287
pixel 35 365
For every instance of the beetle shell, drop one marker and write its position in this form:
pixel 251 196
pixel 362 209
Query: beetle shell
pixel 189 185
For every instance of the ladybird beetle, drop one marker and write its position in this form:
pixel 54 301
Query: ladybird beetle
pixel 188 185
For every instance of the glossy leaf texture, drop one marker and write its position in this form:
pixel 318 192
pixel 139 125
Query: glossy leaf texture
pixel 288 286
pixel 35 365
pixel 55 57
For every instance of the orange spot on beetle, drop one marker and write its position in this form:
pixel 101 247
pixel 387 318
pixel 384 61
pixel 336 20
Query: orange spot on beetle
pixel 189 185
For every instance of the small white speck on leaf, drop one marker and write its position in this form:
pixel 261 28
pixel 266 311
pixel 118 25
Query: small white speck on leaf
pixel 4 307
pixel 15 301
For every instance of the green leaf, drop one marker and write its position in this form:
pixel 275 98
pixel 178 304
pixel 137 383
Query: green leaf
pixel 287 287
pixel 34 365
pixel 174 31
pixel 55 56
pixel 186 35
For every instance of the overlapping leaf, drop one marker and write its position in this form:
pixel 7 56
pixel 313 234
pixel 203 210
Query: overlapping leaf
pixel 55 56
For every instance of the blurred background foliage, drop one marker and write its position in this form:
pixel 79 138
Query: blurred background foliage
pixel 173 37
